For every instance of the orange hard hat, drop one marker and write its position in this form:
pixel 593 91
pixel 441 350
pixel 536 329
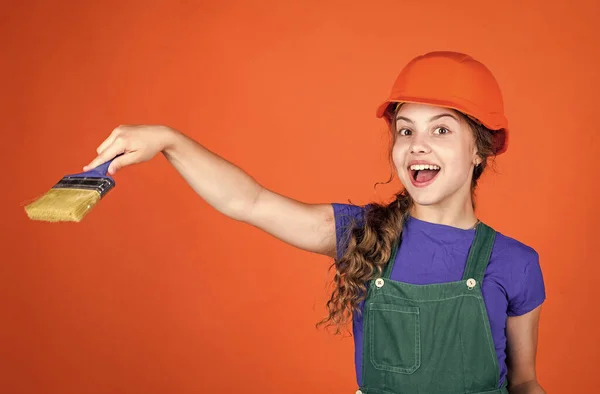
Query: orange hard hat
pixel 452 80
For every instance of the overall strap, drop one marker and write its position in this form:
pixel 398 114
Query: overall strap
pixel 480 252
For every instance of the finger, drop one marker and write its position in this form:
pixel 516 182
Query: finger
pixel 107 154
pixel 111 138
pixel 123 161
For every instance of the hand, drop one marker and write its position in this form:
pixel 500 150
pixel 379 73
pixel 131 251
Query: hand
pixel 138 144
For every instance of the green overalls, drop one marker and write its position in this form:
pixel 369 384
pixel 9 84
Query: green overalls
pixel 431 338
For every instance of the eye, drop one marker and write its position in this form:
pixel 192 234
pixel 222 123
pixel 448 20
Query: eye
pixel 441 130
pixel 404 132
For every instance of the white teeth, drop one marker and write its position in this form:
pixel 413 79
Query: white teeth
pixel 420 167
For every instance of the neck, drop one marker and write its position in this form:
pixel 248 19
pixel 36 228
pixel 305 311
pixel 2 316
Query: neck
pixel 461 216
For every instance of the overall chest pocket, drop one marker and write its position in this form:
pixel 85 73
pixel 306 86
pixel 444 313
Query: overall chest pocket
pixel 395 336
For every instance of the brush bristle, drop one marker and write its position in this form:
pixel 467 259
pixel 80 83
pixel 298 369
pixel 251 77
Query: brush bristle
pixel 63 205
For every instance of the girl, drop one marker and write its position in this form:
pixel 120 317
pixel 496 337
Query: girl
pixel 440 302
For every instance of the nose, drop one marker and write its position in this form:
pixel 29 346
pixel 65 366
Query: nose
pixel 419 144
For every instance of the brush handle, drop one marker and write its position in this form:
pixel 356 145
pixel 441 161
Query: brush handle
pixel 103 168
pixel 99 171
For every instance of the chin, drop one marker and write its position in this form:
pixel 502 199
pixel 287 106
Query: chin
pixel 424 198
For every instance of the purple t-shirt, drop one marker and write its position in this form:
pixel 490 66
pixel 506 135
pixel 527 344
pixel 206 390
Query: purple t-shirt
pixel 434 253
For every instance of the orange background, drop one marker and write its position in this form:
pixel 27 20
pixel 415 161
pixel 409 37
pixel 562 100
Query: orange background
pixel 155 292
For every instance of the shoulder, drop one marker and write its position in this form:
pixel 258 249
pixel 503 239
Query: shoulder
pixel 347 217
pixel 515 266
pixel 348 211
pixel 512 251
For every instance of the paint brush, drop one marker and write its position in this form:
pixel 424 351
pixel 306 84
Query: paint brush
pixel 73 197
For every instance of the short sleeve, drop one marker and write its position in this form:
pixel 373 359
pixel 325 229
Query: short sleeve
pixel 530 291
pixel 346 217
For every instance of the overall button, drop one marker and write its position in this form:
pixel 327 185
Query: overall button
pixel 358 392
pixel 471 283
pixel 379 282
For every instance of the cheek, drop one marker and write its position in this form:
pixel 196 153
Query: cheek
pixel 458 165
pixel 399 154
pixel 399 151
pixel 454 156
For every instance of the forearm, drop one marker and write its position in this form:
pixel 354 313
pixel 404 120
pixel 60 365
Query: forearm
pixel 531 387
pixel 220 183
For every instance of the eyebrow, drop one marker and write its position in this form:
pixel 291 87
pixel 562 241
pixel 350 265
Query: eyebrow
pixel 436 117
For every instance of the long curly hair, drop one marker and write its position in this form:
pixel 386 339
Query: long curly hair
pixel 370 242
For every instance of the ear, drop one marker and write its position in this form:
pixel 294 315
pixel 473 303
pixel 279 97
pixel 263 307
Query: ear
pixel 476 158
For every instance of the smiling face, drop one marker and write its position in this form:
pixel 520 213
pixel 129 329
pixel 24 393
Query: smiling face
pixel 434 153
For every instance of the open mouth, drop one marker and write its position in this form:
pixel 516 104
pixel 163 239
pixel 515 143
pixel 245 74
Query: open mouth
pixel 423 174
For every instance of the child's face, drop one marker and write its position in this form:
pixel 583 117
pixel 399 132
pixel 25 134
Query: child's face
pixel 442 141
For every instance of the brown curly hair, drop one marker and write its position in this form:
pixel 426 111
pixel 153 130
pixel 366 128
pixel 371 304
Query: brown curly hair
pixel 370 243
